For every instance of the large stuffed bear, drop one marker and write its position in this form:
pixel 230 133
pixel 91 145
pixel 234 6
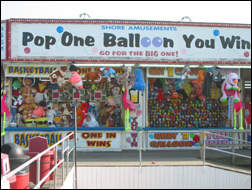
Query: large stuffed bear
pixel 230 88
pixel 27 107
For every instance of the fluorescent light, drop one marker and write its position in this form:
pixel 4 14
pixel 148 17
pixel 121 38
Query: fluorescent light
pixel 248 87
pixel 98 65
pixel 247 84
pixel 232 67
pixel 149 65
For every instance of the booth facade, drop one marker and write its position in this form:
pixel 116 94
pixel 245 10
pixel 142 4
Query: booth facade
pixel 33 49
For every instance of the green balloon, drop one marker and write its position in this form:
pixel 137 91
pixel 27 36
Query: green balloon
pixel 192 135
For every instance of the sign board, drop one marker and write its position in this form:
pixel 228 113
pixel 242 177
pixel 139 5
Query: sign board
pixel 130 42
pixel 45 70
pixel 161 140
pixel 3 41
pixel 175 72
pixel 86 140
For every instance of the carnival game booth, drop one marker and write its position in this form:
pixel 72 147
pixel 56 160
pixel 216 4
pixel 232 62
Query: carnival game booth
pixel 129 76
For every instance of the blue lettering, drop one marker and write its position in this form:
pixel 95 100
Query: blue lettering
pixel 16 70
pixel 10 70
pixel 41 70
pixel 22 140
pixel 52 139
pixel 16 137
pixel 47 70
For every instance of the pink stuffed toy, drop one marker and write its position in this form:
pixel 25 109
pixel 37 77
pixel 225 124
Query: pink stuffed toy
pixel 4 108
pixel 230 88
pixel 75 79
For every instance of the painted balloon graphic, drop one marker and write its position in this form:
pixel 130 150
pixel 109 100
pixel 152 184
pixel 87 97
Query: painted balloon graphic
pixel 216 32
pixel 60 29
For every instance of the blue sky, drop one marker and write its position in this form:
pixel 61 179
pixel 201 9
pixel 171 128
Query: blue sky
pixel 198 11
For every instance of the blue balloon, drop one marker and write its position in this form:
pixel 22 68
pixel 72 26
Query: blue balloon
pixel 151 136
pixel 60 29
pixel 146 42
pixel 216 32
pixel 157 41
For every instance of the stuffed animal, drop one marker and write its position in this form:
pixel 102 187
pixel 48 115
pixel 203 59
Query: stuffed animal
pixel 230 88
pixel 19 120
pixel 27 90
pixel 65 109
pixel 75 79
pixel 66 120
pixel 139 83
pixel 18 101
pixel 200 78
pixel 27 107
pixel 108 72
pixel 168 88
pixel 198 82
pixel 82 112
pixel 16 86
pixel 39 111
pixel 57 121
pixel 41 93
pixel 185 72
pixel 105 113
pixel 50 114
pixel 160 94
pixel 116 92
pixel 124 76
pixel 96 75
pixel 4 108
pixel 58 76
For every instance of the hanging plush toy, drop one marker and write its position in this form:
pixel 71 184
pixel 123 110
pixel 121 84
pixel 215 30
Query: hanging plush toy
pixel 96 75
pixel 58 76
pixel 230 88
pixel 139 83
pixel 16 86
pixel 28 90
pixel 75 79
pixel 198 82
pixel 238 108
pixel 108 72
pixel 214 74
pixel 41 93
pixel 4 108
pixel 128 106
pixel 124 76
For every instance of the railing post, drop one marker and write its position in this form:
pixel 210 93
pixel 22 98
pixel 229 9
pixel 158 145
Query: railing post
pixel 67 162
pixel 204 148
pixel 233 148
pixel 140 151
pixel 55 163
pixel 201 149
pixel 38 171
pixel 62 155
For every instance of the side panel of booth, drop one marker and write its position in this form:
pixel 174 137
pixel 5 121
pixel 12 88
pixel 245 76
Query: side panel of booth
pixel 130 139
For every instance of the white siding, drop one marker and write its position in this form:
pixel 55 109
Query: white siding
pixel 160 177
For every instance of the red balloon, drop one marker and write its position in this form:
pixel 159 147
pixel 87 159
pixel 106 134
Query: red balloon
pixel 196 138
